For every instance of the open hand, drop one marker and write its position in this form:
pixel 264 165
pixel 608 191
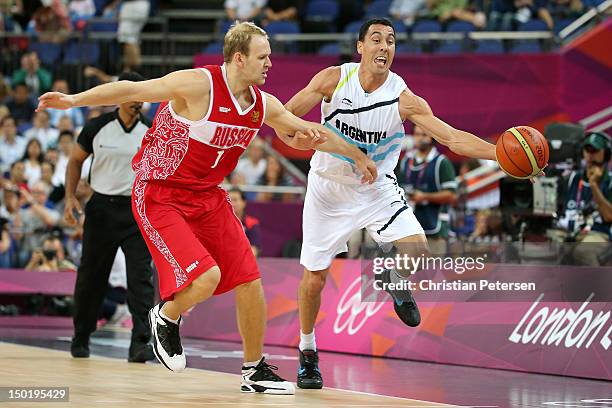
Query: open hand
pixel 55 100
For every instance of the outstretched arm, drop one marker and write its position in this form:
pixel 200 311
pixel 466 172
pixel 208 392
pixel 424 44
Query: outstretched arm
pixel 284 122
pixel 185 85
pixel 417 110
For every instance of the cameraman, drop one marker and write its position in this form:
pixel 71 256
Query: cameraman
pixel 44 259
pixel 588 203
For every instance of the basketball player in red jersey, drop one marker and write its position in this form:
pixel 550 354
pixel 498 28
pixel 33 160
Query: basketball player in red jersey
pixel 197 243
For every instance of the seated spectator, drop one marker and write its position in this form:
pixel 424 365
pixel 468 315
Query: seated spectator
pixel 51 23
pixel 51 156
pixel 65 143
pixel 275 176
pixel 46 176
pixel 20 104
pixel 10 201
pixel 507 14
pixel 446 10
pixel 42 130
pixel 32 224
pixel 565 8
pixel 37 79
pixel 65 124
pixel 32 159
pixel 253 166
pixel 281 10
pixel 4 112
pixel 487 228
pixel 12 145
pixel 406 10
pixel 17 180
pixel 75 114
pixel 247 10
pixel 250 224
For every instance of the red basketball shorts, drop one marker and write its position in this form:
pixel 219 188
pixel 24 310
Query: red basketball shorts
pixel 188 232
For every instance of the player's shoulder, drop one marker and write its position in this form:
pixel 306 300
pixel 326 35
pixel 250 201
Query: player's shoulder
pixel 327 79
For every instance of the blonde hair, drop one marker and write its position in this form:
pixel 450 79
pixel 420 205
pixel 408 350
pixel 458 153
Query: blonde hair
pixel 238 38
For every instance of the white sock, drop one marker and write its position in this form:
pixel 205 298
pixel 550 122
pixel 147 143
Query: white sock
pixel 250 364
pixel 162 314
pixel 307 341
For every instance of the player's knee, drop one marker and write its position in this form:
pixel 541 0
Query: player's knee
pixel 315 283
pixel 205 284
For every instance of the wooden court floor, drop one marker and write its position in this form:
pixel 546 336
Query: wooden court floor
pixel 100 381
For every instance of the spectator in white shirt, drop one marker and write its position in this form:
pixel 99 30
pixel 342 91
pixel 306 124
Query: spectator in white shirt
pixel 33 159
pixel 244 10
pixel 406 10
pixel 12 145
pixel 253 166
pixel 65 144
pixel 61 85
pixel 42 130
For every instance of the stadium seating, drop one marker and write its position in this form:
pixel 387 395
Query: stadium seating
pixel 378 8
pixel 81 52
pixel 321 11
pixel 215 47
pixel 489 47
pixel 49 53
pixel 330 49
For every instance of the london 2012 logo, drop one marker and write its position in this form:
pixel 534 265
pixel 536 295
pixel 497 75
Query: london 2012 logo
pixel 353 313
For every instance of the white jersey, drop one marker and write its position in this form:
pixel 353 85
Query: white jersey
pixel 370 121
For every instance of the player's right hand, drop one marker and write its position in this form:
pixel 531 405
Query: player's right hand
pixel 55 100
pixel 72 204
pixel 368 169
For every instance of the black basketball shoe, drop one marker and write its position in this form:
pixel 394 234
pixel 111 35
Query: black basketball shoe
pixel 263 379
pixel 403 302
pixel 167 341
pixel 309 375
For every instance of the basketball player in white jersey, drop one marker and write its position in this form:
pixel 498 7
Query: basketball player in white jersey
pixel 366 104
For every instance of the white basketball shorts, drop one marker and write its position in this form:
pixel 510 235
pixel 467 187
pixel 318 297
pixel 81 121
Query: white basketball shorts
pixel 333 211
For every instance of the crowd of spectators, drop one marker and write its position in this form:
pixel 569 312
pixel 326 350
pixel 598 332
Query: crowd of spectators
pixel 483 14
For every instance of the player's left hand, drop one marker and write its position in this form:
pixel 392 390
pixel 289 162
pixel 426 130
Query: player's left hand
pixel 307 140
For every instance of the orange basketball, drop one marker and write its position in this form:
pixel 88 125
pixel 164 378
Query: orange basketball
pixel 522 152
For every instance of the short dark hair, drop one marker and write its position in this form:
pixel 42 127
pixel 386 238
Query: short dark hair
pixel 239 191
pixel 66 132
pixel 131 76
pixel 377 20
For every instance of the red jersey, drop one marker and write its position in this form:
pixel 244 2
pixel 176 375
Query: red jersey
pixel 198 155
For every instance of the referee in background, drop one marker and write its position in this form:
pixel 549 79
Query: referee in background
pixel 113 139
